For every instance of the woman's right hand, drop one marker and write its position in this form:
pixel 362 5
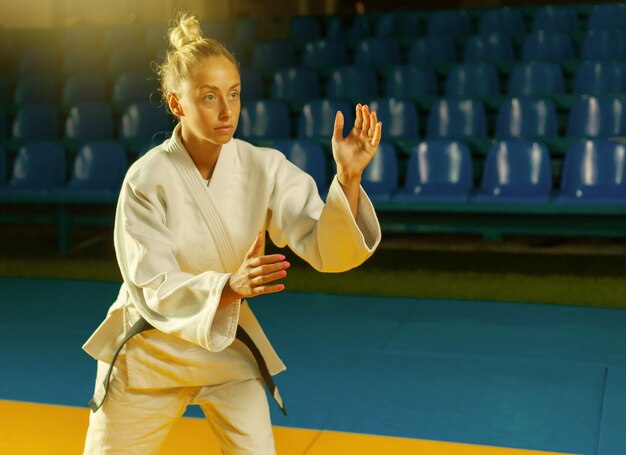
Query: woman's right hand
pixel 254 274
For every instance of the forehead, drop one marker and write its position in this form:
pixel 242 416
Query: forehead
pixel 214 71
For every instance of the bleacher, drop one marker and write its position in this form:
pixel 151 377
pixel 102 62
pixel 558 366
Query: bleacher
pixel 495 121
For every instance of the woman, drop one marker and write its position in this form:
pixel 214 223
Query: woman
pixel 189 236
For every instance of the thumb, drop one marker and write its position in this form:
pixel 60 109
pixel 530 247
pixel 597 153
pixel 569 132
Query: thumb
pixel 256 246
pixel 338 128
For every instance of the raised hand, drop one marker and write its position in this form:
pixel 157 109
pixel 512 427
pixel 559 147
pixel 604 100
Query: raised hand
pixel 254 274
pixel 354 152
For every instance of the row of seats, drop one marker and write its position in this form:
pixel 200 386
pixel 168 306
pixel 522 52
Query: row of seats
pixel 437 171
pixel 523 117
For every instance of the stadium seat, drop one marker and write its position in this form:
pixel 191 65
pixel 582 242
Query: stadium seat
pixel 501 20
pixel 547 46
pixel 3 124
pixel 472 80
pixel 99 168
pixel 264 119
pixel 449 23
pixel 83 88
pixel 270 56
pixel 437 171
pixel 601 77
pixel 411 81
pixel 604 45
pixel 218 29
pixel 428 50
pixel 35 89
pixel 339 28
pixel 38 168
pixel 399 117
pixel 488 49
pixel 353 83
pixel 325 53
pixel 380 177
pixel 308 156
pixel 126 59
pixel 378 51
pixel 317 119
pixel 36 122
pixel 452 118
pixel 600 116
pixel 143 122
pixel 303 29
pixel 251 85
pixel 536 79
pixel 607 16
pixel 594 172
pixel 516 171
pixel 132 87
pixel 527 118
pixel 397 25
pixel 295 86
pixel 3 166
pixel 561 19
pixel 89 122
pixel 4 91
pixel 82 60
pixel 247 30
pixel 36 62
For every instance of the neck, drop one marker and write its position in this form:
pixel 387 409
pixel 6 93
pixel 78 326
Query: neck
pixel 204 154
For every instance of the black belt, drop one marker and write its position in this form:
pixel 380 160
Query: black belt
pixel 142 325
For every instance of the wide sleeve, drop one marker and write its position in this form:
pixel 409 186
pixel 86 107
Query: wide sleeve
pixel 325 235
pixel 173 301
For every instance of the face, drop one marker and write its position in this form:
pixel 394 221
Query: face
pixel 208 104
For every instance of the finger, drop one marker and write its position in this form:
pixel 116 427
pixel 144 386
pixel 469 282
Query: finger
pixel 269 268
pixel 263 279
pixel 269 289
pixel 373 123
pixel 269 259
pixel 359 116
pixel 255 249
pixel 366 118
pixel 338 129
pixel 378 132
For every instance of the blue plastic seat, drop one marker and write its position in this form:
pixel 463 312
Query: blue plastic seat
pixel 3 124
pixel 132 87
pixel 264 119
pixel 357 28
pixel 547 46
pixel 82 60
pixel 308 156
pixel 438 171
pixel 411 81
pixel 36 62
pixel 397 25
pixel 399 117
pixel 594 172
pixel 38 168
pixel 303 29
pixel 247 30
pixel 378 51
pixel 427 50
pixel 3 166
pixel 35 89
pixel 83 88
pixel 380 177
pixel 89 122
pixel 218 29
pixel 36 122
pixel 501 20
pixel 607 16
pixel 536 79
pixel 128 58
pixel 317 119
pixel 270 56
pixel 453 118
pixel 602 77
pixel 488 49
pixel 4 91
pixel 353 83
pixel 449 23
pixel 144 121
pixel 472 80
pixel 562 19
pixel 325 53
pixel 600 116
pixel 251 85
pixel 516 171
pixel 527 118
pixel 295 84
pixel 604 45
pixel 99 168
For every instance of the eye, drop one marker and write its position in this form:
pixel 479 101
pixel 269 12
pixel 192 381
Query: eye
pixel 209 97
pixel 234 95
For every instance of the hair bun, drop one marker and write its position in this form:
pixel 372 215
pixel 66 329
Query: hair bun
pixel 186 30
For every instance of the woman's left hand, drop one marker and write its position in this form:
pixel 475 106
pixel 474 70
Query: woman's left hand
pixel 354 152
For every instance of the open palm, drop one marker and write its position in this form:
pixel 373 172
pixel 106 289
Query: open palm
pixel 354 152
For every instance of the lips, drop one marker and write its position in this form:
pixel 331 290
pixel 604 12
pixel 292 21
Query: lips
pixel 224 128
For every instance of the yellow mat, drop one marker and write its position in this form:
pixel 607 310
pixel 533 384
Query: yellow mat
pixel 30 428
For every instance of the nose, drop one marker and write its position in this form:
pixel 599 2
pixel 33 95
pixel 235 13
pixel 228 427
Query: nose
pixel 225 110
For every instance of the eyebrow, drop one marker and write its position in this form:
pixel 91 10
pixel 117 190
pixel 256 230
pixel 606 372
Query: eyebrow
pixel 217 88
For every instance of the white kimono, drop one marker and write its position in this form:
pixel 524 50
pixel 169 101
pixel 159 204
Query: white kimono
pixel 177 242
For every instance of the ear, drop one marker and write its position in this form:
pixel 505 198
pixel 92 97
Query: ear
pixel 174 105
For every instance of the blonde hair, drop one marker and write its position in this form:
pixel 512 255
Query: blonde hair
pixel 187 48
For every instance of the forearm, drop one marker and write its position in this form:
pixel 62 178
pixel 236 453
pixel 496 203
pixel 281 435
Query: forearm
pixel 351 187
pixel 228 296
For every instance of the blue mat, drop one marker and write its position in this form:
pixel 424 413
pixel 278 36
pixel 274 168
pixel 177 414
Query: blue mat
pixel 518 375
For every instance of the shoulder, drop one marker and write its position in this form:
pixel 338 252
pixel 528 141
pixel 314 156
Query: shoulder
pixel 150 170
pixel 256 157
